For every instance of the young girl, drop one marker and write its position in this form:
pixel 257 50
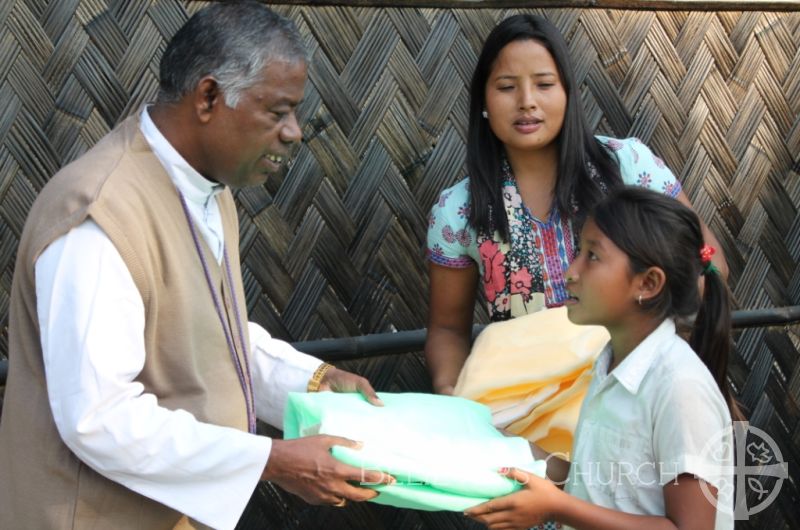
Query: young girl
pixel 653 446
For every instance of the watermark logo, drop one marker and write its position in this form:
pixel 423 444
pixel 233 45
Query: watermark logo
pixel 757 475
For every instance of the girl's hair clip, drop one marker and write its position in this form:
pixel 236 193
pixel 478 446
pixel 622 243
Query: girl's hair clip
pixel 706 251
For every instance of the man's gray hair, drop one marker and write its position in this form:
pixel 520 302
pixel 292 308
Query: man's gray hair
pixel 233 43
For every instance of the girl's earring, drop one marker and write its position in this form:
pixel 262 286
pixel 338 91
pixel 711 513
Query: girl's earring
pixel 640 299
pixel 485 114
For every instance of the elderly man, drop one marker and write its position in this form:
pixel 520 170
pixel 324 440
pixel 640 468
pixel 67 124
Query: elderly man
pixel 135 379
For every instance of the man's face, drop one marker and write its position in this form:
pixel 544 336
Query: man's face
pixel 249 143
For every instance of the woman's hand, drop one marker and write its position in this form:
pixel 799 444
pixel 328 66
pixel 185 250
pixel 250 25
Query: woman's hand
pixel 452 302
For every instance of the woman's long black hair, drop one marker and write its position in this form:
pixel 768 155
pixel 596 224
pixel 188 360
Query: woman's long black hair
pixel 577 146
pixel 657 231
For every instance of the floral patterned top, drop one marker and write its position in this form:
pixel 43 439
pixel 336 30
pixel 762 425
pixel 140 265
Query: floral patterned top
pixel 528 274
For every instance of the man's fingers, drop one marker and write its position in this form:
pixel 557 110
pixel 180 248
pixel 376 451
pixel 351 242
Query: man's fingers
pixel 344 381
pixel 370 477
pixel 352 473
pixel 358 494
pixel 339 488
pixel 331 440
pixel 328 499
pixel 366 390
pixel 363 476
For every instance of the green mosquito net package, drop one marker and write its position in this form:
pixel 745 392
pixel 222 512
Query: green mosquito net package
pixel 443 450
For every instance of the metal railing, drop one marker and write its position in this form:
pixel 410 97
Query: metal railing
pixel 409 341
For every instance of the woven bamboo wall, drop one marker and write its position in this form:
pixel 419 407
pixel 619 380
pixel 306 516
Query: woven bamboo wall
pixel 335 247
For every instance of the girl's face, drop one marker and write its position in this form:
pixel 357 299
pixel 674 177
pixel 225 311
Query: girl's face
pixel 525 98
pixel 603 289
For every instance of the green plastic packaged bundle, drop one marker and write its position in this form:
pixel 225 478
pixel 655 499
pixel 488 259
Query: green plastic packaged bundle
pixel 443 450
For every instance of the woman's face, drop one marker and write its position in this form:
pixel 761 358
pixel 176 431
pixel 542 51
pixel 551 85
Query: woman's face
pixel 525 98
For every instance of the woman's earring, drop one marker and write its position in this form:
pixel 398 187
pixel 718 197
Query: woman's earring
pixel 640 299
pixel 485 114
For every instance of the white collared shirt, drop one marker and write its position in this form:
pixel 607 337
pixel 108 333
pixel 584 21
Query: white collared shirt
pixel 199 192
pixel 657 415
pixel 88 306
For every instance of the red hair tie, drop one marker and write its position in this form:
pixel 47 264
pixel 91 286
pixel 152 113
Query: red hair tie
pixel 706 251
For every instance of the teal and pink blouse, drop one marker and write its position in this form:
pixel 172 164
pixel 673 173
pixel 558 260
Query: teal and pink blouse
pixel 526 274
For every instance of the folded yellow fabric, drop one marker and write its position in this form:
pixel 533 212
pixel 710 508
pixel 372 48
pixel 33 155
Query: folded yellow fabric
pixel 533 372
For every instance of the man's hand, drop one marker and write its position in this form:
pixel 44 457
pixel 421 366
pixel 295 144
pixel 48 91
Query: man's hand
pixel 306 468
pixel 342 381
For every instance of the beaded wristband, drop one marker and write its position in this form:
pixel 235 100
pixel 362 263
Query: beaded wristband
pixel 316 378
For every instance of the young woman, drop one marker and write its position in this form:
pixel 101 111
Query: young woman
pixel 653 447
pixel 535 169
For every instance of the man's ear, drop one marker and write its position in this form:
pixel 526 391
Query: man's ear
pixel 207 96
pixel 651 282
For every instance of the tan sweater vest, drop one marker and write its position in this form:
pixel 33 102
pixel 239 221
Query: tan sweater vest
pixel 121 185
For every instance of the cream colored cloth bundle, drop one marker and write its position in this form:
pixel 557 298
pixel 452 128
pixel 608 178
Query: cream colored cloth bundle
pixel 533 372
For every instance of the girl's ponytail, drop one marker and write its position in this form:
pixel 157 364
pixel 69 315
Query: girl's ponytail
pixel 711 334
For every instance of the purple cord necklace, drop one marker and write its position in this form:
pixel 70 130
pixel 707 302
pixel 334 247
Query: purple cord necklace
pixel 244 375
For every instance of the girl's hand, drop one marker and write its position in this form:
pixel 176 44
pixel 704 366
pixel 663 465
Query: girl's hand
pixel 531 505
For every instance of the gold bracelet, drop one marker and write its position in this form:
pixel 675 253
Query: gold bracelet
pixel 316 379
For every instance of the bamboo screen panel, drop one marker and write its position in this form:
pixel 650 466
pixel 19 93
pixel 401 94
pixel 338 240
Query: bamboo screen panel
pixel 335 247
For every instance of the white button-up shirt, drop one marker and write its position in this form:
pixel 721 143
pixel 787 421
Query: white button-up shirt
pixel 88 306
pixel 657 415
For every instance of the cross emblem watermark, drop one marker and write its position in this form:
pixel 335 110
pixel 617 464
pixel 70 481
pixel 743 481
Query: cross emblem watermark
pixel 759 469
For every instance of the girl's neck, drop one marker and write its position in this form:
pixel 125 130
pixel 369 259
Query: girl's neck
pixel 627 336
